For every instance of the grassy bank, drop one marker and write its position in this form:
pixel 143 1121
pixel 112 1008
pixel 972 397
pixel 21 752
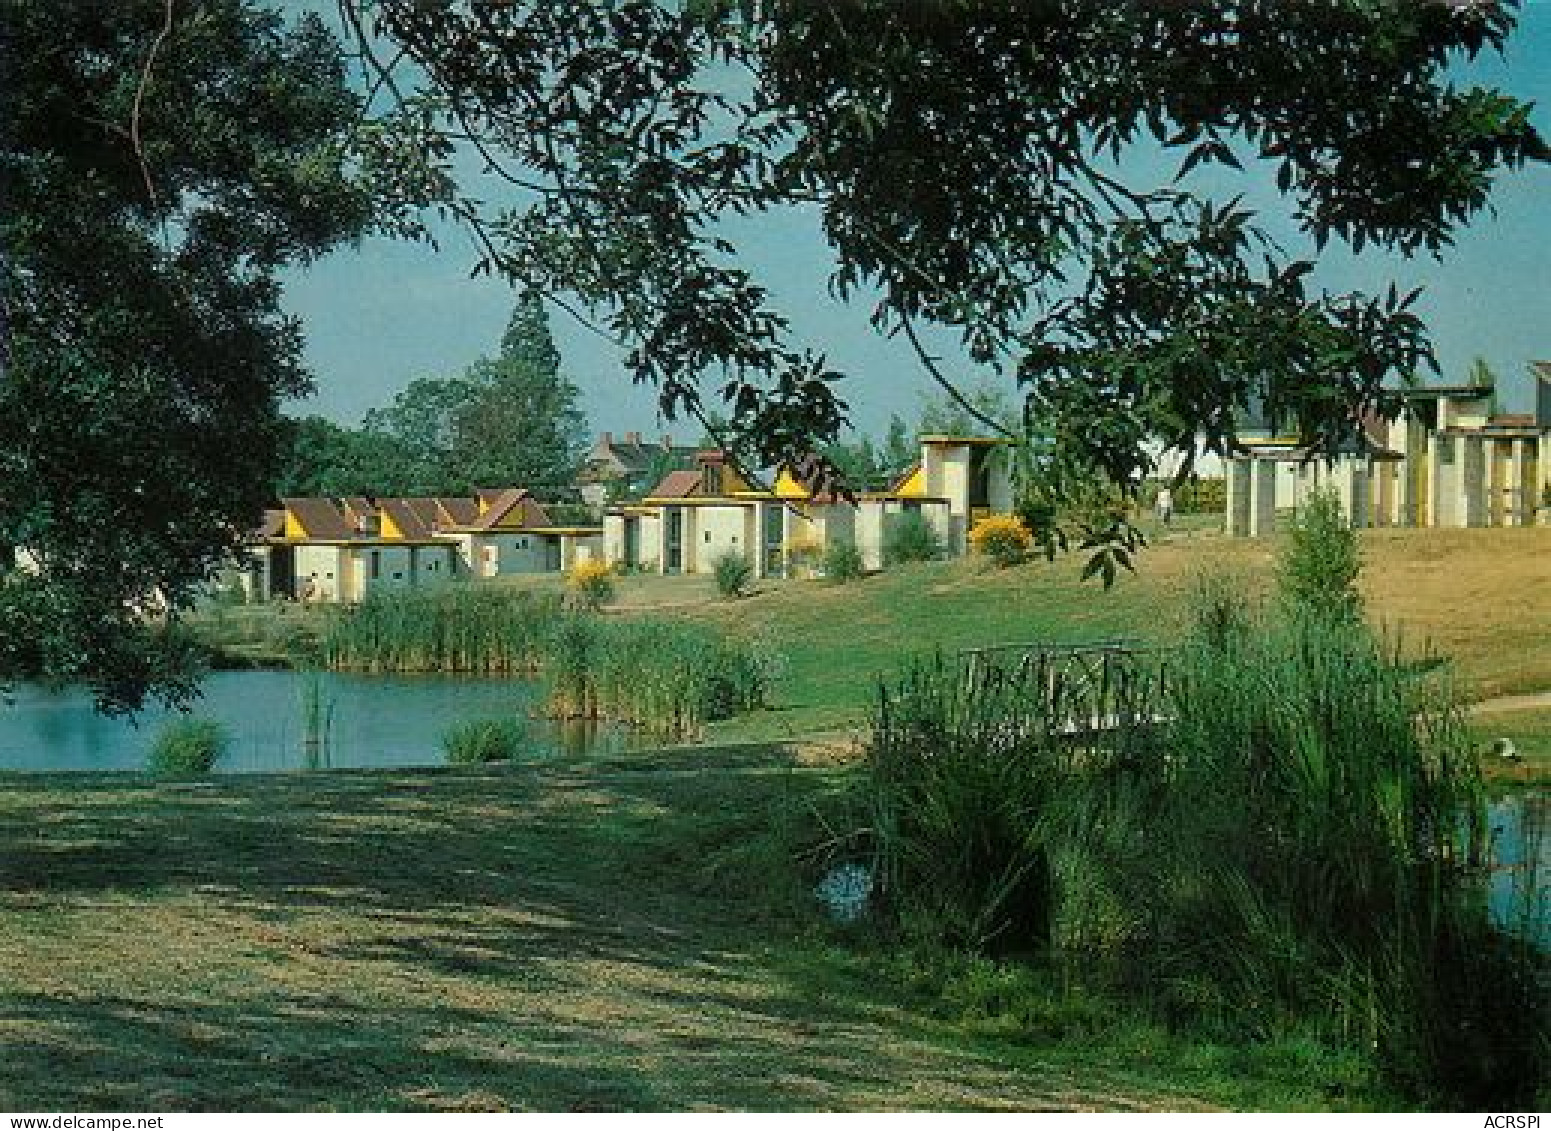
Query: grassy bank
pixel 1464 594
pixel 601 936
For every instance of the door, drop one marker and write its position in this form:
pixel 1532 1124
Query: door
pixel 632 546
pixel 674 541
pixel 775 540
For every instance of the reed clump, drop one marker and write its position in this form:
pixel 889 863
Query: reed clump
pixel 185 747
pixel 480 741
pixel 666 677
pixel 449 628
pixel 1289 839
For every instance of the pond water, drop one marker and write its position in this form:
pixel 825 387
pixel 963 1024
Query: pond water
pixel 1521 858
pixel 370 720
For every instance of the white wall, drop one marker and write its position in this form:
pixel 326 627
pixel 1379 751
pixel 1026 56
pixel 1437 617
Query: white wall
pixel 578 548
pixel 393 570
pixel 436 564
pixel 648 545
pixel 715 531
pixel 869 530
pixel 508 552
pixel 323 567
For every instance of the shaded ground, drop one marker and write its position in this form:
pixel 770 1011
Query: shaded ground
pixel 566 939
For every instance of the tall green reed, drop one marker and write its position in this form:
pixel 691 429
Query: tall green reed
pixel 317 719
pixel 447 628
pixel 667 677
pixel 1295 841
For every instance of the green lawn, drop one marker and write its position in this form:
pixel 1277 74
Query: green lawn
pixel 838 641
pixel 597 936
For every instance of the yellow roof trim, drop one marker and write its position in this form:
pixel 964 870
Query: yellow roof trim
pixel 945 438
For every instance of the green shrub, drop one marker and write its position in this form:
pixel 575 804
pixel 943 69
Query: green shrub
pixel 484 740
pixel 734 573
pixel 843 561
pixel 910 537
pixel 1320 561
pixel 187 746
pixel 1195 496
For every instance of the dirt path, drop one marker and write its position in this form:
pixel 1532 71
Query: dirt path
pixel 1535 701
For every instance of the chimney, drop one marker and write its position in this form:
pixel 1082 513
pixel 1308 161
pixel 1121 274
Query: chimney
pixel 633 439
pixel 608 439
pixel 667 443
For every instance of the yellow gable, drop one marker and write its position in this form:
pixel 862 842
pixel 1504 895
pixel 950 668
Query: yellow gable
pixel 787 486
pixel 915 484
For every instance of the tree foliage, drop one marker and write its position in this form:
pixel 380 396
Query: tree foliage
pixel 512 419
pixel 158 165
pixel 324 458
pixel 970 165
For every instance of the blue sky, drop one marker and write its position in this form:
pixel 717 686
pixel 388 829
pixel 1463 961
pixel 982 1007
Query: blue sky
pixel 380 316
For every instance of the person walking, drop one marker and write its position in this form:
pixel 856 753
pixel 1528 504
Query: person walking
pixel 1165 505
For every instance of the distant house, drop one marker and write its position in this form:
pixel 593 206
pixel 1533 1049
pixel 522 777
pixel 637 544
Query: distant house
pixel 331 550
pixel 509 531
pixel 1449 460
pixel 695 515
pixel 341 550
pixel 625 466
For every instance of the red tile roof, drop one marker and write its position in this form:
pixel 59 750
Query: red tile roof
pixel 514 507
pixel 459 512
pixel 320 519
pixel 676 485
pixel 427 512
pixel 404 516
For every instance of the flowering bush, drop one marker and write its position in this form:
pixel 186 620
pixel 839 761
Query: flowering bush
pixel 591 584
pixel 1003 538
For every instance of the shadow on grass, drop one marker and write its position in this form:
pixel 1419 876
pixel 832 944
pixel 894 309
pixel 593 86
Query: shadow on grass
pixel 557 938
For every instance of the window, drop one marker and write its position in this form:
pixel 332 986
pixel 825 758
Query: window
pixel 1446 449
pixel 376 564
pixel 708 536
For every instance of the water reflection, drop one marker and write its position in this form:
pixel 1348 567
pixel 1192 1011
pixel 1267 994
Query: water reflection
pixel 1521 863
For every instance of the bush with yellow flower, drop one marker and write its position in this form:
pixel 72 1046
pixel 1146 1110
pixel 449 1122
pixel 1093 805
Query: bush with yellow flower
pixel 590 584
pixel 1003 538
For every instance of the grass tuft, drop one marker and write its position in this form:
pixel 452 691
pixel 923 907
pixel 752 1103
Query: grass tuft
pixel 185 747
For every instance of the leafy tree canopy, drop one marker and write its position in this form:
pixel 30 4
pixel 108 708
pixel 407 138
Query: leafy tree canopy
pixel 324 458
pixel 508 420
pixel 969 162
pixel 158 164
